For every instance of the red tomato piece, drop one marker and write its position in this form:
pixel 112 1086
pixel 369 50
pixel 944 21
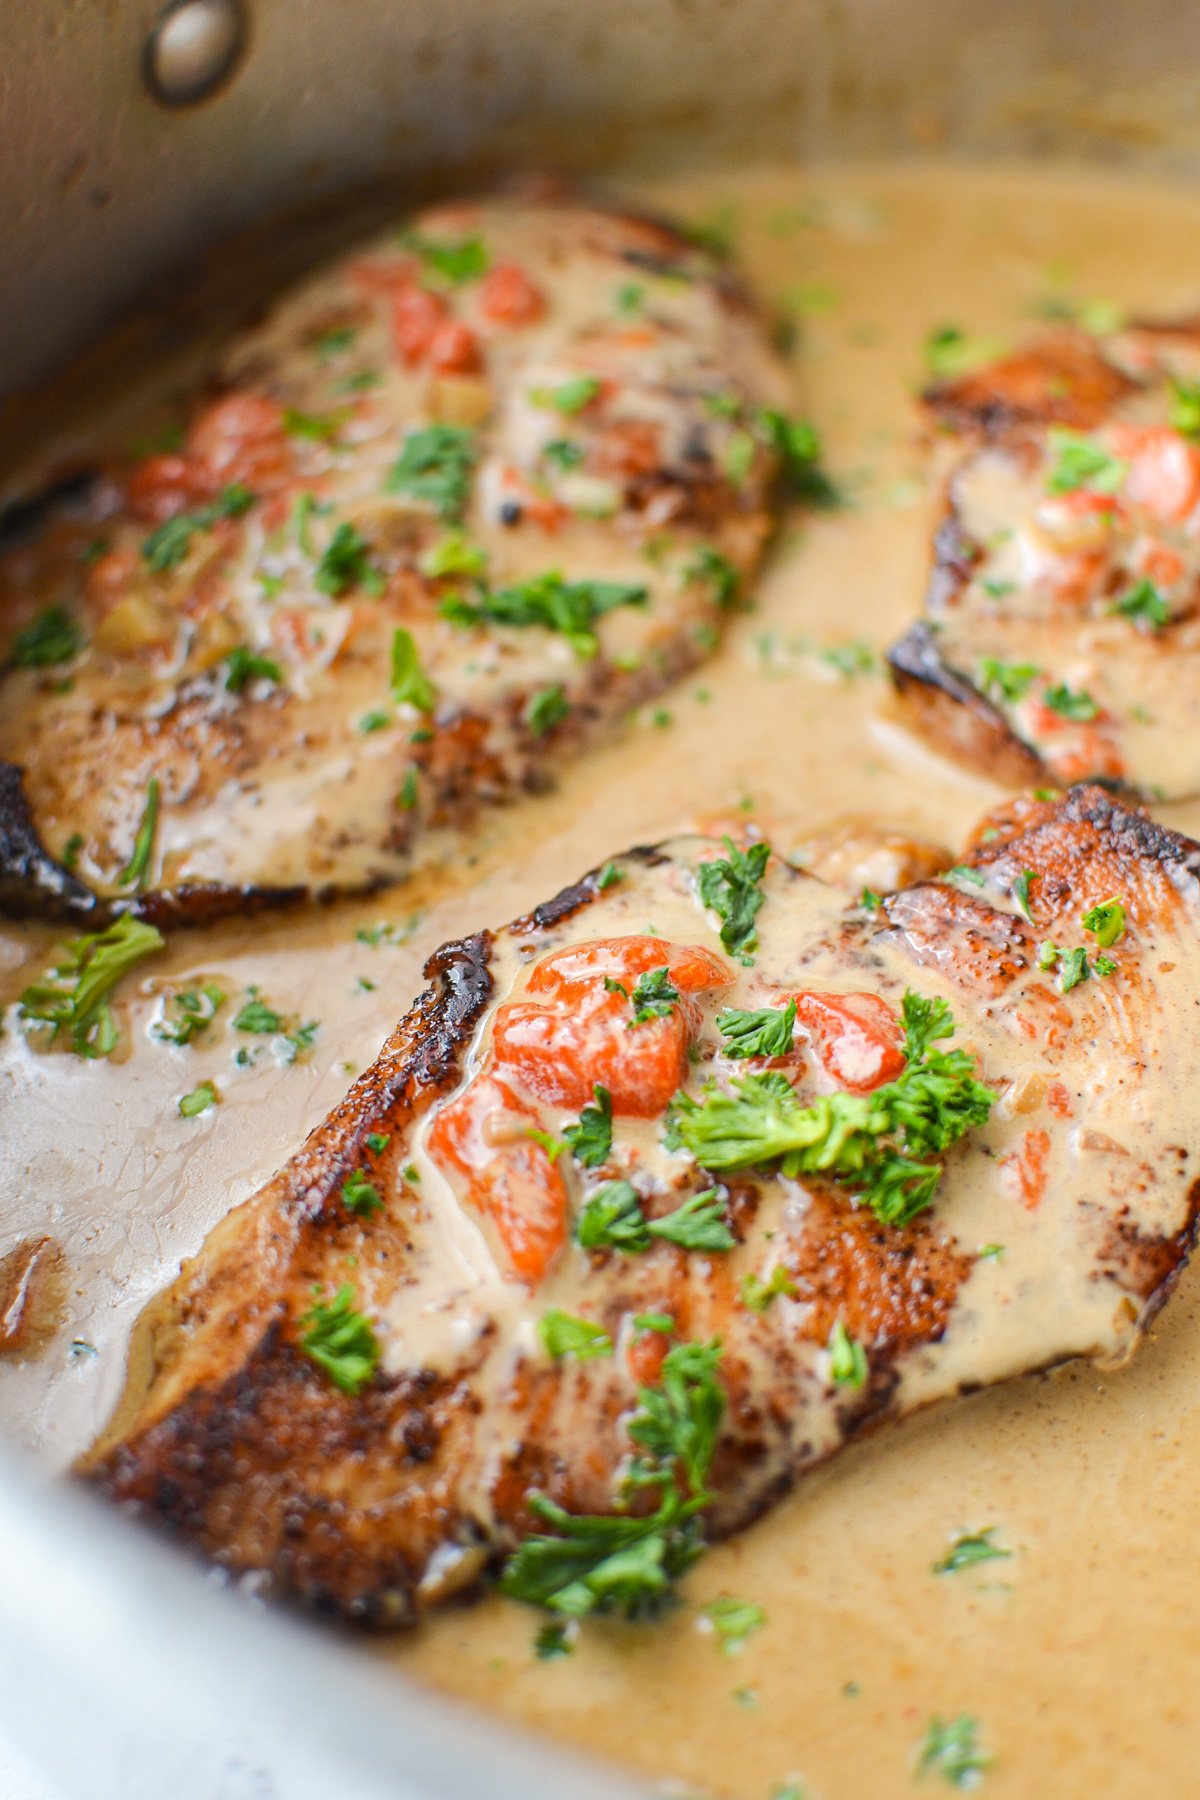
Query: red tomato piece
pixel 508 297
pixel 1164 471
pixel 857 1038
pixel 481 1137
pixel 417 316
pixel 454 349
pixel 573 1031
pixel 1026 1168
pixel 239 439
pixel 161 486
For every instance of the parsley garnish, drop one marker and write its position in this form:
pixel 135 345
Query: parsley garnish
pixel 167 546
pixel 340 1340
pixel 949 352
pixel 717 573
pixel 1144 604
pixel 1080 462
pixel 53 637
pixel 1074 969
pixel 872 1144
pixel 734 1620
pixel 335 340
pixel 569 607
pixel 563 453
pixel 615 1562
pixel 435 466
pixel 453 554
pixel 973 1547
pixel 1020 893
pixel 730 886
pixel 546 708
pixel 1106 922
pixel 257 1016
pixel 796 444
pixel 193 1012
pixel 758 1294
pixel 321 428
pixel 346 564
pixel 456 260
pixel 1078 707
pixel 766 1032
pixel 1185 407
pixel 869 900
pixel 378 1141
pixel 243 665
pixel 612 1219
pixel 551 1641
pixel 570 396
pixel 654 996
pixel 410 684
pixel 360 1195
pixel 73 995
pixel 1104 966
pixel 1009 681
pixel 950 1748
pixel 590 1141
pixel 563 1334
pixel 200 1100
pixel 847 1358
pixel 609 876
pixel 138 867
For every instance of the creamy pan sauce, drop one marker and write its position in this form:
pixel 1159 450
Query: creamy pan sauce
pixel 1075 1654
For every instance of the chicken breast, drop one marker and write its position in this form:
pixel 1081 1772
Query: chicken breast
pixel 457 505
pixel 1061 640
pixel 663 1194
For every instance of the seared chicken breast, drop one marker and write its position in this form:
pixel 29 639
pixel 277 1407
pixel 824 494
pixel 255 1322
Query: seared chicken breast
pixel 451 510
pixel 1062 633
pixel 666 1192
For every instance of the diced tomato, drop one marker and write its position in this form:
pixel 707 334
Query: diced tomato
pixel 161 486
pixel 1026 1169
pixel 454 349
pixel 417 316
pixel 1159 563
pixel 572 1031
pixel 482 1137
pixel 382 277
pixel 646 1355
pixel 1058 1099
pixel 1164 470
pixel 857 1038
pixel 508 297
pixel 240 439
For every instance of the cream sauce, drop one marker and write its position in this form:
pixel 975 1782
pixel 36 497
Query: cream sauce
pixel 1076 1654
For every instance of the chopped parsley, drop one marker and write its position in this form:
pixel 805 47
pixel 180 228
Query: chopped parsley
pixel 243 665
pixel 1079 706
pixel 1106 922
pixel 563 1334
pixel 964 875
pixel 552 1641
pixel 188 1013
pixel 346 563
pixel 70 851
pixel 653 997
pixel 1006 681
pixel 1020 893
pixel 1080 462
pixel 872 1144
pixel 758 1294
pixel 613 1219
pixel 563 454
pixel 360 1195
pixel 718 574
pixel 950 1748
pixel 631 298
pixel 341 1341
pixel 616 1562
pixel 1104 966
pixel 257 1016
pixel 971 1548
pixel 568 607
pixel 869 900
pixel 167 547
pixel 320 428
pixel 730 886
pixel 378 1141
pixel 949 352
pixel 1144 604
pixel 734 1621
pixel 137 869
pixel 590 1141
pixel 410 684
pixel 765 1032
pixel 435 466
pixel 200 1100
pixel 569 397
pixel 335 340
pixel 1185 407
pixel 798 448
pixel 1073 968
pixel 53 637
pixel 547 708
pixel 847 1358
pixel 609 876
pixel 456 260
pixel 453 554
pixel 73 996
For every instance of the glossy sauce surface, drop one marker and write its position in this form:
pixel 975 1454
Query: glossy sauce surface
pixel 1074 1654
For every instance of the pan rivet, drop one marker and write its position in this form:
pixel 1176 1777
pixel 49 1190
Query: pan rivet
pixel 194 46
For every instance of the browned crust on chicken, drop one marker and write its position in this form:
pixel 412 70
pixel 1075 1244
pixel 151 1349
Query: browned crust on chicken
pixel 946 707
